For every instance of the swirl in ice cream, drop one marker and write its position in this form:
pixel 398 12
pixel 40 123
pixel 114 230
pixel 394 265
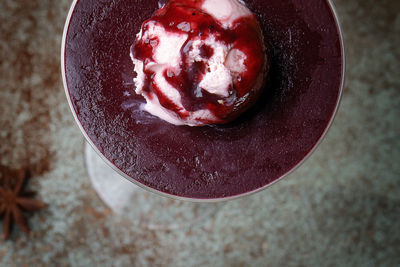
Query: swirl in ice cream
pixel 199 62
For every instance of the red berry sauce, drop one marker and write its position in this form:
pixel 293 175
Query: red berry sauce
pixel 187 17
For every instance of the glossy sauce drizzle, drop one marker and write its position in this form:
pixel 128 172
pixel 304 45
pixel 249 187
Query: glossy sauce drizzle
pixel 186 17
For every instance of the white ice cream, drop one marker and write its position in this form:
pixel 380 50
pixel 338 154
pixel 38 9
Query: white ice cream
pixel 226 11
pixel 222 66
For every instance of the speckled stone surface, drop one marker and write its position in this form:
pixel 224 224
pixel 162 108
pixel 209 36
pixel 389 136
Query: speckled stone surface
pixel 341 208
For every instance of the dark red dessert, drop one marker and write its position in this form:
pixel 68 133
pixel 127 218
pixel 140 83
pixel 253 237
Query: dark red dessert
pixel 216 162
pixel 183 17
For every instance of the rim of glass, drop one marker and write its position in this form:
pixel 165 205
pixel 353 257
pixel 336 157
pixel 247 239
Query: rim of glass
pixel 201 200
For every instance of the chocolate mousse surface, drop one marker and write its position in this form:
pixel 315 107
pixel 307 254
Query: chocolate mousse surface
pixel 208 162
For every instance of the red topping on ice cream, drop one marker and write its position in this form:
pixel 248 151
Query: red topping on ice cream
pixel 199 62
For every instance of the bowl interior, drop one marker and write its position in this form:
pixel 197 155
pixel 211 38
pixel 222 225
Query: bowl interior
pixel 206 163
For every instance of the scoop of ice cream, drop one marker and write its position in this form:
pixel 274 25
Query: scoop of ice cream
pixel 199 62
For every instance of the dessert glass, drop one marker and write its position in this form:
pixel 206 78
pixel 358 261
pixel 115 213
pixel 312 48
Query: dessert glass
pixel 301 100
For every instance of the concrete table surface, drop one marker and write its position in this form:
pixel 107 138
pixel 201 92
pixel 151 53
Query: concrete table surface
pixel 341 208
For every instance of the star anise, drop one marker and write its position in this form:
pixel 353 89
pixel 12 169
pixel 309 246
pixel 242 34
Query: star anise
pixel 14 201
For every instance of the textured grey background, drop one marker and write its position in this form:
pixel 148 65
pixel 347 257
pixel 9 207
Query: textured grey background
pixel 341 208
